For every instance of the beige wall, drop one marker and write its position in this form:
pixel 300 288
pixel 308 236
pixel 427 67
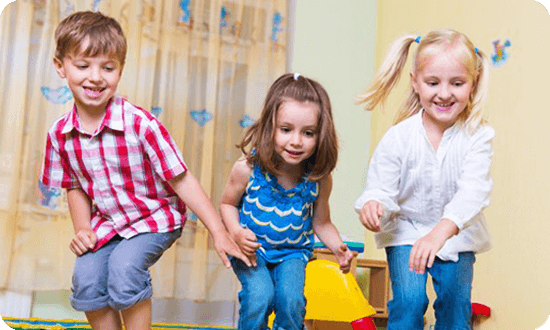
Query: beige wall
pixel 513 278
pixel 334 44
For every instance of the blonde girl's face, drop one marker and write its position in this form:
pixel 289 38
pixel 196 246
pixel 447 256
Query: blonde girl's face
pixel 443 86
pixel 296 132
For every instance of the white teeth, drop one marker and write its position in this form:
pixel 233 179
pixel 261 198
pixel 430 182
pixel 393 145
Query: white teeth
pixel 445 105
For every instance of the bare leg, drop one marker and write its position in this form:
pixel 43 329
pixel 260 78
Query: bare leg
pixel 105 318
pixel 138 317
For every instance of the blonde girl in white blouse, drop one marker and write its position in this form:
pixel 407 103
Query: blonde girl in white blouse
pixel 428 180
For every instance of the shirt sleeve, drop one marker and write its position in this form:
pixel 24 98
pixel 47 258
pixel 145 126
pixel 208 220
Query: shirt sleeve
pixel 163 152
pixel 475 183
pixel 56 170
pixel 383 175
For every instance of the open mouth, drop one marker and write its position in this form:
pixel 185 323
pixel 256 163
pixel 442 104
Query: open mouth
pixel 93 92
pixel 444 106
pixel 294 153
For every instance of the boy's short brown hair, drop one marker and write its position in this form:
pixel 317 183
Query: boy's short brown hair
pixel 104 33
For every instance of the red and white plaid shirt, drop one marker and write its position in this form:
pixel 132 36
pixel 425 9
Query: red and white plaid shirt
pixel 123 167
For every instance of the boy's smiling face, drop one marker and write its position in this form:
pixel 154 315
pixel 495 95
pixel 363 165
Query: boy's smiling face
pixel 93 80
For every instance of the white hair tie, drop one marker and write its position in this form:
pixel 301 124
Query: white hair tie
pixel 296 75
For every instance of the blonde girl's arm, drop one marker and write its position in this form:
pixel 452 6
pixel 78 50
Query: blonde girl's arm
pixel 325 229
pixel 80 207
pixel 231 197
pixel 188 188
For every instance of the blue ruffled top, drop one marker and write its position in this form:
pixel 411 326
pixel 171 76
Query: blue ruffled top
pixel 281 218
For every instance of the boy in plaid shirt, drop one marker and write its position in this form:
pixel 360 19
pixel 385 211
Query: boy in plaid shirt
pixel 127 184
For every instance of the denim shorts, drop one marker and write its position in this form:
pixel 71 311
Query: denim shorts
pixel 117 275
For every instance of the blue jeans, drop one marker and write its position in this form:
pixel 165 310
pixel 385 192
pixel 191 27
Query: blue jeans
pixel 117 275
pixel 271 287
pixel 452 284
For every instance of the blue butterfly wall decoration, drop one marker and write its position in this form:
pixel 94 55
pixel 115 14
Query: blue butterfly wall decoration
pixel 48 195
pixel 201 117
pixel 96 5
pixel 156 111
pixel 192 217
pixel 186 13
pixel 60 95
pixel 246 121
pixel 276 27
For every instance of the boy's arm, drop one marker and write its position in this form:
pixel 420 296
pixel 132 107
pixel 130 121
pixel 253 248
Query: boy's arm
pixel 231 197
pixel 80 207
pixel 188 188
pixel 325 229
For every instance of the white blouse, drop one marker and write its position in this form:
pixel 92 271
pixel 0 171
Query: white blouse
pixel 419 186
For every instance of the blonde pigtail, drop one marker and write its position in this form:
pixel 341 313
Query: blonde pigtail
pixel 476 116
pixel 388 74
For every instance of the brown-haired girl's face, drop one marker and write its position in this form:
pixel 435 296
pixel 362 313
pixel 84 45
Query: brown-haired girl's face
pixel 296 132
pixel 443 85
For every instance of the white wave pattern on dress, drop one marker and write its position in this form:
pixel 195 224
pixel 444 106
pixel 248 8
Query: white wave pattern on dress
pixel 286 240
pixel 273 208
pixel 270 224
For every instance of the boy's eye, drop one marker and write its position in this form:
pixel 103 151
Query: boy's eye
pixel 82 66
pixel 108 68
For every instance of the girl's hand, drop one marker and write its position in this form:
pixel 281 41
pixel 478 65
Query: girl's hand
pixel 247 242
pixel 83 242
pixel 424 251
pixel 370 215
pixel 344 257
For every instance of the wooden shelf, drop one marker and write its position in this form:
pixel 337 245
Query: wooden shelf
pixel 379 285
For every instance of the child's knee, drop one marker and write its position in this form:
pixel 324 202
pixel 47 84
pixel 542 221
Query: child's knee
pixel 128 285
pixel 89 290
pixel 416 302
pixel 290 303
pixel 261 296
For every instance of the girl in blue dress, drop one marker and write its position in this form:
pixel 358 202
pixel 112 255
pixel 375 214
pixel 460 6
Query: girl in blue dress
pixel 276 199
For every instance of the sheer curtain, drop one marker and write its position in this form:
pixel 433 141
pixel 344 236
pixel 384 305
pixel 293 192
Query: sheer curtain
pixel 202 67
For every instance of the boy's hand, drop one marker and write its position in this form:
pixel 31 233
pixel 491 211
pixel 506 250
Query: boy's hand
pixel 83 242
pixel 225 245
pixel 370 215
pixel 344 257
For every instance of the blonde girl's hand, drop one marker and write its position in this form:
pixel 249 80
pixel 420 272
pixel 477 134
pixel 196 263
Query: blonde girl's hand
pixel 247 242
pixel 424 251
pixel 83 242
pixel 344 256
pixel 370 215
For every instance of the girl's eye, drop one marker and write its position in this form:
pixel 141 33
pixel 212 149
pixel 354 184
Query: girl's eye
pixel 431 83
pixel 309 133
pixel 458 83
pixel 108 68
pixel 285 129
pixel 82 66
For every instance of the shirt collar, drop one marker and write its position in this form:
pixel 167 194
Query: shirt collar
pixel 113 117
